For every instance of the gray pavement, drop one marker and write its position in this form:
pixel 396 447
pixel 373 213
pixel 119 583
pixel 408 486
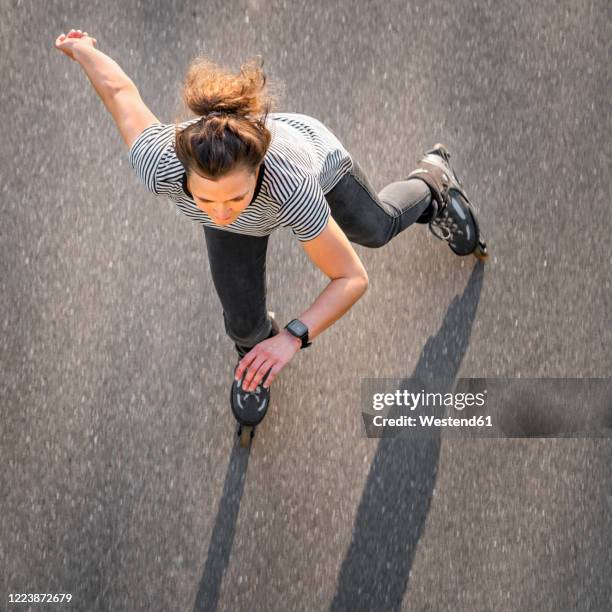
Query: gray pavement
pixel 121 481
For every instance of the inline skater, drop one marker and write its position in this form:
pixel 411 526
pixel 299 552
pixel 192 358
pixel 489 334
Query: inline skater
pixel 242 171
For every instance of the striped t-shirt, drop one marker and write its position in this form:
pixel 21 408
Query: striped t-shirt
pixel 305 160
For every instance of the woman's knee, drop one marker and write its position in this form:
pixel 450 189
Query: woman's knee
pixel 373 238
pixel 378 240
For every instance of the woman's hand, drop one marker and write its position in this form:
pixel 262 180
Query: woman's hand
pixel 74 38
pixel 274 353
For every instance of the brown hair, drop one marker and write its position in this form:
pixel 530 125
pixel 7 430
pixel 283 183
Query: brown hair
pixel 234 135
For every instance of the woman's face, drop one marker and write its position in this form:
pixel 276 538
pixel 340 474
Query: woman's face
pixel 225 198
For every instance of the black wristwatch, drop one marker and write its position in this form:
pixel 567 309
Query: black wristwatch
pixel 299 330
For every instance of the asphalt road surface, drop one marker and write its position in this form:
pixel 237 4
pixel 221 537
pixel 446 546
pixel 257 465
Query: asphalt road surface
pixel 121 480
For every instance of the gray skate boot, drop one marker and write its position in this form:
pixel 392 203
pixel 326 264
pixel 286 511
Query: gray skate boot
pixel 250 407
pixel 454 218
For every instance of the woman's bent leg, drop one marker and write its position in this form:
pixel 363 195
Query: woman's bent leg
pixel 238 267
pixel 372 220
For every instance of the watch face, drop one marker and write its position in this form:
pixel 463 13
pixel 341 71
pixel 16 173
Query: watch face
pixel 298 327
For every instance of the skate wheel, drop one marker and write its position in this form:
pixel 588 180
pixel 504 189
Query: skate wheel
pixel 246 433
pixel 480 252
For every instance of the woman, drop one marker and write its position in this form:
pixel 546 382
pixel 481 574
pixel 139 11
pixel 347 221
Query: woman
pixel 242 171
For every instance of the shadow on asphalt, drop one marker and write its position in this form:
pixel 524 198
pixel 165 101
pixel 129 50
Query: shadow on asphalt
pixel 223 531
pixel 396 498
pixel 374 574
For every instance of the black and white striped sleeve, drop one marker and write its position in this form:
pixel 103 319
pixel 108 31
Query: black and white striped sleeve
pixel 307 211
pixel 152 156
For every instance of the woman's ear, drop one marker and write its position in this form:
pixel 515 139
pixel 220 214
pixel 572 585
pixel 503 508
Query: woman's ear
pixel 185 188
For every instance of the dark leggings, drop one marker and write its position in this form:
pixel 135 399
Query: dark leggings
pixel 238 261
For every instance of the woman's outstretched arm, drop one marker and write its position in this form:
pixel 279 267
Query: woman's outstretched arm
pixel 116 90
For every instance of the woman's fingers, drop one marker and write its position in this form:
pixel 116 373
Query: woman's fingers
pixel 244 363
pixel 261 374
pixel 254 373
pixel 272 375
pixel 72 35
pixel 257 374
pixel 263 362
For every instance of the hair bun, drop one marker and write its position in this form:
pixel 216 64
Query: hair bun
pixel 214 146
pixel 210 88
pixel 225 112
